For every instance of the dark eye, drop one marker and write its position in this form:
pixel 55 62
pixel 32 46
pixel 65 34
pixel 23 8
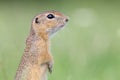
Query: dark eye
pixel 50 16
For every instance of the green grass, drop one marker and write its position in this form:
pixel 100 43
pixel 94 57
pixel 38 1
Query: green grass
pixel 86 49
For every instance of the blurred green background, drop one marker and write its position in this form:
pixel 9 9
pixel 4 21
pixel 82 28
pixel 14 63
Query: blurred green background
pixel 87 49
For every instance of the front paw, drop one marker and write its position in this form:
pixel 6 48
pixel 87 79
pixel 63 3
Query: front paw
pixel 50 66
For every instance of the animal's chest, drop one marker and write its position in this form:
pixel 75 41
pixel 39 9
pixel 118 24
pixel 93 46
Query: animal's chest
pixel 36 72
pixel 38 47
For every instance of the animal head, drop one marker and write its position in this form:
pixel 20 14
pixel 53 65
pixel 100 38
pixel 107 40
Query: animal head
pixel 47 23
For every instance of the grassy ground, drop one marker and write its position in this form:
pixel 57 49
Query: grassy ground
pixel 87 49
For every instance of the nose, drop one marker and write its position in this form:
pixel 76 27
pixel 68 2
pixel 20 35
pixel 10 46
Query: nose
pixel 66 20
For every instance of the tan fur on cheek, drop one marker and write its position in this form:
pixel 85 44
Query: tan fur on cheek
pixel 51 24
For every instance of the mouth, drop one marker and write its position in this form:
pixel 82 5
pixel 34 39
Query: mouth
pixel 54 30
pixel 61 26
pixel 57 28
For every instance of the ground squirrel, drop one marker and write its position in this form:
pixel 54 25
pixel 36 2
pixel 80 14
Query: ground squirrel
pixel 37 59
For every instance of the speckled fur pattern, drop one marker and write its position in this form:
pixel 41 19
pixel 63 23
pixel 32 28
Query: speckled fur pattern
pixel 37 59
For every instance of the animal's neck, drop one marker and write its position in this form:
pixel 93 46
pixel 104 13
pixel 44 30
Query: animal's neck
pixel 40 42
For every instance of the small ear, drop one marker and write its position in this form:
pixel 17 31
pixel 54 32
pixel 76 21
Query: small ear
pixel 36 20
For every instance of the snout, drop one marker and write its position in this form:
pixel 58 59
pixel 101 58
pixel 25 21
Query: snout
pixel 66 20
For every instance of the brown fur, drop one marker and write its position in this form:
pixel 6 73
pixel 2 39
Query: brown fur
pixel 37 59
